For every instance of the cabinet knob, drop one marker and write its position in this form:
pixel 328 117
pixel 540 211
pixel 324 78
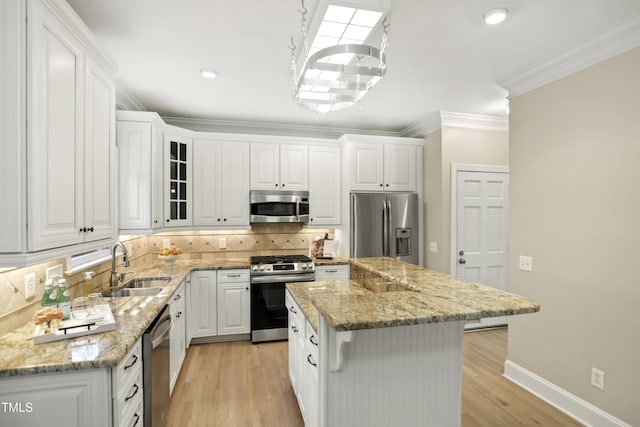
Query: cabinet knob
pixel 83 230
pixel 218 219
pixel 283 185
pixel 224 220
pixel 246 289
pixel 380 185
pixel 276 185
pixel 310 219
pixel 155 221
pixel 168 220
pixel 387 185
pixel 90 229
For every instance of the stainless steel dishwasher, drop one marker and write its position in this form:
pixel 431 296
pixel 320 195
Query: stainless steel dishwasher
pixel 155 364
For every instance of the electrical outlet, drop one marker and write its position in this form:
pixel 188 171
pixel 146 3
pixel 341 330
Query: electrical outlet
pixel 433 246
pixel 222 243
pixel 597 378
pixel 29 285
pixel 526 263
pixel 56 270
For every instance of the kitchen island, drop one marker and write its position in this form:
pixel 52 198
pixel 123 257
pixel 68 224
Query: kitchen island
pixel 390 343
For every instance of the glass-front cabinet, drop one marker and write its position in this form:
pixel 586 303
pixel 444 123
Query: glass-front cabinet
pixel 178 180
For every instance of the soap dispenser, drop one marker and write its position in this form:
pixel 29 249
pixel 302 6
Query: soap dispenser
pixel 88 283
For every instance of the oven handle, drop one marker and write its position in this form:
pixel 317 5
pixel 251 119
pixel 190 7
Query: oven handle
pixel 298 208
pixel 283 278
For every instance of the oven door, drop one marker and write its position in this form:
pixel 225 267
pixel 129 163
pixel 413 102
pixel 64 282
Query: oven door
pixel 269 315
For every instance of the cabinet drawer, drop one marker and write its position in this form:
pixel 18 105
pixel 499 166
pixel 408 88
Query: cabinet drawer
pixel 226 276
pixel 294 311
pixel 134 417
pixel 313 342
pixel 129 395
pixel 128 368
pixel 332 272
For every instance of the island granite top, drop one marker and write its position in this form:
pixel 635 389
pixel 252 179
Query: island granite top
pixel 385 292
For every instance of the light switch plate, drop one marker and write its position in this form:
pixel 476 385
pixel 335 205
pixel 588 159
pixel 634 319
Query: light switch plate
pixel 56 270
pixel 433 246
pixel 29 285
pixel 526 263
pixel 222 243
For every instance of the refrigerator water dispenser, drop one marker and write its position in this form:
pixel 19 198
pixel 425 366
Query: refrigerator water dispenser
pixel 403 241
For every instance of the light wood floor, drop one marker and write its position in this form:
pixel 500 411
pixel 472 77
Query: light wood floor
pixel 244 384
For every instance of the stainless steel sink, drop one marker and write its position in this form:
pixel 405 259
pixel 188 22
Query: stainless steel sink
pixel 148 282
pixel 132 292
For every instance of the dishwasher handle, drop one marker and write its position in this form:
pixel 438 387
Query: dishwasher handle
pixel 161 331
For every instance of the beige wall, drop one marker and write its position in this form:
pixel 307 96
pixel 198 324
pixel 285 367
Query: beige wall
pixel 575 208
pixel 442 149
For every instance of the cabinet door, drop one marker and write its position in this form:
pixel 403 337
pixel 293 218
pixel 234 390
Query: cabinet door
pixel 367 167
pixel 265 166
pixel 294 167
pixel 203 305
pixel 400 167
pixel 177 180
pixel 55 144
pixel 100 181
pixel 233 308
pixel 134 146
pixel 207 181
pixel 324 185
pixel 235 183
pixel 311 390
pixel 157 177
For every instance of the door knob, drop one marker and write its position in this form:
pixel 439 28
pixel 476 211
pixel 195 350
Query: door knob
pixel 461 253
pixel 462 261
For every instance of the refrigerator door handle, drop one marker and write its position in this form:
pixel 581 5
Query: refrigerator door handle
pixel 385 228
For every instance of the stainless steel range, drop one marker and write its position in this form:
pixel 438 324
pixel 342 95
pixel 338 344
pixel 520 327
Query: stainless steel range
pixel 269 274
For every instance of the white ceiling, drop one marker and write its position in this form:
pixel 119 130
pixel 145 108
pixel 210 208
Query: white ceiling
pixel 441 56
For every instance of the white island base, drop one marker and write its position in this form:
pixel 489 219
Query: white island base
pixel 395 376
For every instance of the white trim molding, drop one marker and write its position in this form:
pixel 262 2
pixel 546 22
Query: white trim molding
pixel 613 41
pixel 566 402
pixel 126 100
pixel 474 121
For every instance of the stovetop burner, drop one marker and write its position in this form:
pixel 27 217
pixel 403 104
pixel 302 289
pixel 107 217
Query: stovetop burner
pixel 279 259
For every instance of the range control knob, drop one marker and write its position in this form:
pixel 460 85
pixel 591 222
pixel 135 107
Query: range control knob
pixel 304 266
pixel 310 266
pixel 262 268
pixel 254 268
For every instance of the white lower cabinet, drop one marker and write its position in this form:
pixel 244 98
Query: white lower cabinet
pixel 234 315
pixel 203 304
pixel 219 303
pixel 178 334
pixel 304 356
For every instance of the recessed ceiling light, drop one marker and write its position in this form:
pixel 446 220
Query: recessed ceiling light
pixel 495 16
pixel 208 73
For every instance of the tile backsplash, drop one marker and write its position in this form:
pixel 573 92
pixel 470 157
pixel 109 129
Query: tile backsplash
pixel 261 239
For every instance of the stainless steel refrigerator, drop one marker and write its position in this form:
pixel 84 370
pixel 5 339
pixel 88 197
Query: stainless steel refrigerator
pixel 385 224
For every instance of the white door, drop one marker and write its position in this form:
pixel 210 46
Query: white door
pixel 324 185
pixel 265 166
pixel 483 231
pixel 400 167
pixel 294 167
pixel 233 308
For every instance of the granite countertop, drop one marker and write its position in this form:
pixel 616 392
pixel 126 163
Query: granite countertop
pixel 20 356
pixel 385 292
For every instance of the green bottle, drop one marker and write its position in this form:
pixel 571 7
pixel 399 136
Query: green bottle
pixel 64 300
pixel 50 297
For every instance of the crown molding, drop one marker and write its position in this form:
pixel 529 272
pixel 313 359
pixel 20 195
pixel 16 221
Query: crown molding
pixel 264 128
pixel 613 41
pixel 126 100
pixel 474 121
pixel 422 128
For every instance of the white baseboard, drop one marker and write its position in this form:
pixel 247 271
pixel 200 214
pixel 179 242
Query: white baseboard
pixel 563 400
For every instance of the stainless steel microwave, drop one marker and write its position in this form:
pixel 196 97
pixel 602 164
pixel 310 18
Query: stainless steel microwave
pixel 279 206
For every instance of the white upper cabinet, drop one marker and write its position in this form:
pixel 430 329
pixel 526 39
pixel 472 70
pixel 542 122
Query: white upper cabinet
pixel 141 161
pixel 177 180
pixel 382 166
pixel 324 184
pixel 399 167
pixel 279 166
pixel 71 137
pixel 221 183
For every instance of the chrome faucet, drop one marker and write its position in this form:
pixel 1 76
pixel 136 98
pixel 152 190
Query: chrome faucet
pixel 115 277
